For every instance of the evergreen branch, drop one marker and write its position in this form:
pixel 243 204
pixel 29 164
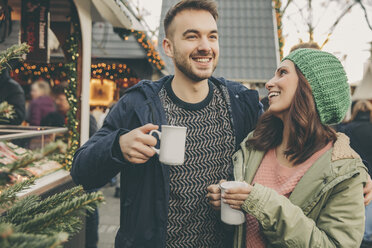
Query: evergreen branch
pixel 25 213
pixel 15 51
pixel 6 230
pixel 68 224
pixel 8 195
pixel 25 240
pixel 9 239
pixel 15 214
pixel 77 205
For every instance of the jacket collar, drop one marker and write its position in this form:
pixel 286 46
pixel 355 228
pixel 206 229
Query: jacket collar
pixel 342 149
pixel 151 88
pixel 330 169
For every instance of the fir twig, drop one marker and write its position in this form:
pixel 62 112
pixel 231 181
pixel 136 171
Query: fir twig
pixel 13 52
pixel 25 240
pixel 8 196
pixel 24 211
pixel 15 214
pixel 58 215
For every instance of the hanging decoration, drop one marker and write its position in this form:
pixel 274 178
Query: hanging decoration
pixel 72 50
pixel 279 15
pixel 28 73
pixel 121 74
pixel 55 73
pixel 152 55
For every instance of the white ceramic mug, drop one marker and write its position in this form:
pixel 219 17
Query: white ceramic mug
pixel 229 215
pixel 172 144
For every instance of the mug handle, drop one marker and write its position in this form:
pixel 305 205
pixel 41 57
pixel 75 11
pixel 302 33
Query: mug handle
pixel 159 134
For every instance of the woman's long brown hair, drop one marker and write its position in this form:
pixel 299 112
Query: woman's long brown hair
pixel 307 134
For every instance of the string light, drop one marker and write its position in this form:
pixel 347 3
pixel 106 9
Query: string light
pixel 152 54
pixel 119 73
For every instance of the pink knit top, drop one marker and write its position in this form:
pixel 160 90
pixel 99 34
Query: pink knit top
pixel 280 178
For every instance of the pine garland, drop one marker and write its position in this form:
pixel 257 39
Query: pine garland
pixel 72 48
pixel 13 52
pixel 153 56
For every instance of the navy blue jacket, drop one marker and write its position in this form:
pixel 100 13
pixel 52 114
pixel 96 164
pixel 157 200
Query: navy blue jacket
pixel 12 92
pixel 145 187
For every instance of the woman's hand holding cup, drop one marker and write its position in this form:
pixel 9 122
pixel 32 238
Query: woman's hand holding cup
pixel 235 197
pixel 214 195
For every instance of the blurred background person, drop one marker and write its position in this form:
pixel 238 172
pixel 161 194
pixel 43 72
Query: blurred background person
pixel 12 93
pixel 309 44
pixel 41 103
pixel 359 130
pixel 58 118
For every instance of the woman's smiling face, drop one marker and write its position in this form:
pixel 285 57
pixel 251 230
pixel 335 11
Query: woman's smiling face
pixel 282 88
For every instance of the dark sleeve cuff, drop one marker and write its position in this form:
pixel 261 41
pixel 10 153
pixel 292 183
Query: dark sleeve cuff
pixel 116 153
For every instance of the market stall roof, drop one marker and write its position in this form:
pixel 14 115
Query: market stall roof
pixel 107 44
pixel 115 12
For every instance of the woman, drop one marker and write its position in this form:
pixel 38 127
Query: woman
pixel 41 104
pixel 304 182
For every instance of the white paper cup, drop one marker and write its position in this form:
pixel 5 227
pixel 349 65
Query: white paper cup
pixel 229 215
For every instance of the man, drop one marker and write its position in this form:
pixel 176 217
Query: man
pixel 12 93
pixel 59 117
pixel 161 205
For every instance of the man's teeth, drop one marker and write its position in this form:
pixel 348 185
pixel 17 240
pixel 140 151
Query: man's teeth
pixel 271 94
pixel 202 60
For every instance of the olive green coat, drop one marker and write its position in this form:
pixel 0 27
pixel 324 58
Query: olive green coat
pixel 325 209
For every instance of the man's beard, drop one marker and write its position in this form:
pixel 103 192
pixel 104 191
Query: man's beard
pixel 186 68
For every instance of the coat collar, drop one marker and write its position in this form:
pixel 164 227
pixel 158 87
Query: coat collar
pixel 330 169
pixel 342 149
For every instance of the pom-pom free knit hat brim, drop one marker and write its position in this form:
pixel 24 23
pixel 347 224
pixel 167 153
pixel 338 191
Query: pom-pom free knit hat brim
pixel 328 82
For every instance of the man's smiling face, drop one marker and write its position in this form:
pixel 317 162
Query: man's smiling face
pixel 193 44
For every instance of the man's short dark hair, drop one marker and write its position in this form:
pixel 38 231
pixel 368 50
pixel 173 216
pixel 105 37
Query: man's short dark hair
pixel 207 5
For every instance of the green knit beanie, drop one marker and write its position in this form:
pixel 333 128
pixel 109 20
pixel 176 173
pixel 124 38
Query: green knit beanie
pixel 328 82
